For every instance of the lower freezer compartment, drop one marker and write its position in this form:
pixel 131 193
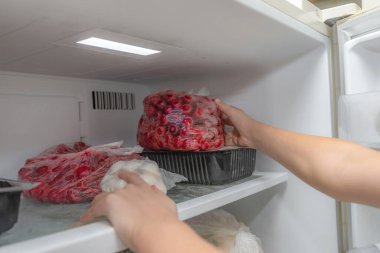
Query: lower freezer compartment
pixel 46 227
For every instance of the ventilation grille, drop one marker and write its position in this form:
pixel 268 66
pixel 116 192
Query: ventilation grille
pixel 106 100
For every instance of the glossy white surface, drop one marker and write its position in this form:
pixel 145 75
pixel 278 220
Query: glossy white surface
pixel 361 64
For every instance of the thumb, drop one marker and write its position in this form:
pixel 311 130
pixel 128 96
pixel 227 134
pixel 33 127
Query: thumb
pixel 131 177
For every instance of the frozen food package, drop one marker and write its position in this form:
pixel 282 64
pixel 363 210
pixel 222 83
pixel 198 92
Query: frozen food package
pixel 69 175
pixel 180 121
pixel 148 170
pixel 223 230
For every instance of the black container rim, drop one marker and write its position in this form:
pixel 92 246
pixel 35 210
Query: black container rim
pixel 224 149
pixel 16 186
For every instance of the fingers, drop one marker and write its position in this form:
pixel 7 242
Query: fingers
pixel 227 121
pixel 230 139
pixel 131 177
pixel 95 209
pixel 93 212
pixel 227 109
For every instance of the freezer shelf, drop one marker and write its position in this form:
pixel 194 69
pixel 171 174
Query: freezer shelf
pixel 49 220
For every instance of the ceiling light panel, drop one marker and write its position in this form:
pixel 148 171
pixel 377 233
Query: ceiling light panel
pixel 117 46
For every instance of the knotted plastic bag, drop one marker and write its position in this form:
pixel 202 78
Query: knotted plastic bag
pixel 71 175
pixel 180 121
pixel 147 169
pixel 225 232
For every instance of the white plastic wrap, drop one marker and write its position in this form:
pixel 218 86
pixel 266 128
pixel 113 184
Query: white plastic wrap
pixel 225 232
pixel 147 169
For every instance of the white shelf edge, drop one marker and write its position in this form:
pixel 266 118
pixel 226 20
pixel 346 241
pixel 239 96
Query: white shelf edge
pixel 101 237
pixel 194 207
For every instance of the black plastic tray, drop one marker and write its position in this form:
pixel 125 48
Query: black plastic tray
pixel 10 191
pixel 207 167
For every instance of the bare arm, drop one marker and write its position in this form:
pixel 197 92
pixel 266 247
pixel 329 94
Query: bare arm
pixel 341 169
pixel 145 219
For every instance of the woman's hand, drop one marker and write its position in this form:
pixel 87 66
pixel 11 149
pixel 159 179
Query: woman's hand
pixel 241 123
pixel 133 210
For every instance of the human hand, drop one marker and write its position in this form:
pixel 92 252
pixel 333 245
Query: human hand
pixel 242 124
pixel 134 209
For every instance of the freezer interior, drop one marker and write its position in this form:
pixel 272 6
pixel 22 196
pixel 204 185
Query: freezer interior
pixel 245 52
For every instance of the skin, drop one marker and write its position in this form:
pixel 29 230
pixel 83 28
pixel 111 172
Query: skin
pixel 146 220
pixel 343 170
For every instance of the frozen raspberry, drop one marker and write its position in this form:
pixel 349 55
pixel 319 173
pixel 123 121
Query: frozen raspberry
pixel 187 98
pixel 173 129
pixel 177 142
pixel 187 121
pixel 164 120
pixel 160 104
pixel 161 130
pixel 205 145
pixel 198 112
pixel 176 103
pixel 184 131
pixel 42 170
pixel 168 109
pixel 170 96
pixel 186 108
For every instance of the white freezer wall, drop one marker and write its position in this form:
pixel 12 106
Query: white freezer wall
pixel 292 218
pixel 362 81
pixel 39 111
pixel 361 64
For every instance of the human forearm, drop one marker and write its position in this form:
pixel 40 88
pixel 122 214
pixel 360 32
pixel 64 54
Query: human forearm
pixel 341 169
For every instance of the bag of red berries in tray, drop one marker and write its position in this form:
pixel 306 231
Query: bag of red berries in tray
pixel 180 121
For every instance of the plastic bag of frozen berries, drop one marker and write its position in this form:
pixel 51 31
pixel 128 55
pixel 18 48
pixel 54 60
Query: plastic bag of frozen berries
pixel 72 173
pixel 180 121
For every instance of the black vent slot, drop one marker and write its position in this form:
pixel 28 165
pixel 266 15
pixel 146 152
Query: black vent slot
pixel 107 100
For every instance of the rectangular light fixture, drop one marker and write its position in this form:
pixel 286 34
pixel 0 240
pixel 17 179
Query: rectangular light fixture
pixel 117 46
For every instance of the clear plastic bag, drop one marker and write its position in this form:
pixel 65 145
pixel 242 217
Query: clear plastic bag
pixel 225 232
pixel 68 175
pixel 148 171
pixel 180 121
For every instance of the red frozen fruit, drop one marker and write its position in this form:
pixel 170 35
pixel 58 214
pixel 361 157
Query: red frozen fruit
pixel 180 122
pixel 187 98
pixel 184 131
pixel 177 142
pixel 176 103
pixel 71 177
pixel 42 170
pixel 173 129
pixel 170 96
pixel 199 113
pixel 168 109
pixel 160 130
pixel 187 121
pixel 164 120
pixel 186 108
pixel 150 111
pixel 160 104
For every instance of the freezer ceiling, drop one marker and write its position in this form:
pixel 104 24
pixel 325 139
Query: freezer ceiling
pixel 210 37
